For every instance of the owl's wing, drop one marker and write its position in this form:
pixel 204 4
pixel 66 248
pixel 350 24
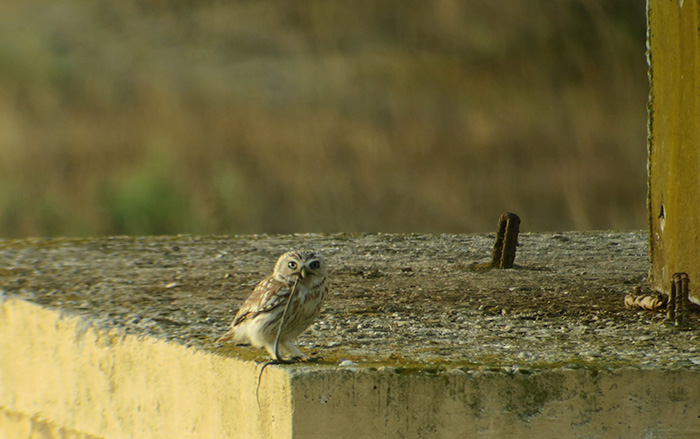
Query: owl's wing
pixel 267 295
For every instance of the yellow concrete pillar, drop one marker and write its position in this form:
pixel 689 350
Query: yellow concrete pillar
pixel 674 141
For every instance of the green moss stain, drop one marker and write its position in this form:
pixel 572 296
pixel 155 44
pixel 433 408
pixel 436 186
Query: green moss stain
pixel 41 243
pixel 529 395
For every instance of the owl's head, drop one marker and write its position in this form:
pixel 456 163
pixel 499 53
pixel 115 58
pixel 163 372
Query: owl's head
pixel 307 266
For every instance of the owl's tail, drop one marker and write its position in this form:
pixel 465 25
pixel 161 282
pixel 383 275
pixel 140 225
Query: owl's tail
pixel 232 336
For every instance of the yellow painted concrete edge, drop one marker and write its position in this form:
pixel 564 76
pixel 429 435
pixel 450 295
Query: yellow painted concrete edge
pixel 59 373
pixel 14 425
pixel 673 55
pixel 60 377
pixel 547 404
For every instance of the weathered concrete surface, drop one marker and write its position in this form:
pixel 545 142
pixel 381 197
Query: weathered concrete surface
pixel 69 375
pixel 674 141
pixel 560 403
pixel 114 338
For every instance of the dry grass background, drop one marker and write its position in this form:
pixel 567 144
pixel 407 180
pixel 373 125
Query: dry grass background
pixel 158 117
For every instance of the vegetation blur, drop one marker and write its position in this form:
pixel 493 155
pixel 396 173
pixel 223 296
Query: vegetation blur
pixel 227 117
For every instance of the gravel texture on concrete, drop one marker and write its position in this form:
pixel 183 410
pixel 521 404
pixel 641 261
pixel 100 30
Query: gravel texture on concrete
pixel 404 300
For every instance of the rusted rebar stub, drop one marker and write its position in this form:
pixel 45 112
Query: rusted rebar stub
pixel 671 304
pixel 503 255
pixel 678 299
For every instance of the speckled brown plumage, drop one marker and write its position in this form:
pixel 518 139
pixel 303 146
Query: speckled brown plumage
pixel 258 319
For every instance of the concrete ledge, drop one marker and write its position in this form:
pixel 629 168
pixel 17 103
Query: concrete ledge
pixel 81 383
pixel 73 377
pixel 457 403
pixel 113 338
pixel 19 425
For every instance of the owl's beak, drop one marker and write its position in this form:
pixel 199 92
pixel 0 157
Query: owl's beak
pixel 303 273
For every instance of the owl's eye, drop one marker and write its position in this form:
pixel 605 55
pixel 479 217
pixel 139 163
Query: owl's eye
pixel 315 265
pixel 292 265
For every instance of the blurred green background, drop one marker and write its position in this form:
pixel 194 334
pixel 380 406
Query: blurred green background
pixel 161 117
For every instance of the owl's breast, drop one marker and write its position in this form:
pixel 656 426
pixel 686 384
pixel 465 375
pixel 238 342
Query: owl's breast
pixel 304 308
pixel 310 300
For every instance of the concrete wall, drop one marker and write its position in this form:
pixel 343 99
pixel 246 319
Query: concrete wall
pixel 674 141
pixel 60 378
pixel 63 378
pixel 558 403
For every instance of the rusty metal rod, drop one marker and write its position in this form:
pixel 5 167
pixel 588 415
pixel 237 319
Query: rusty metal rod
pixel 510 240
pixel 678 299
pixel 498 245
pixel 503 254
pixel 682 301
pixel 671 305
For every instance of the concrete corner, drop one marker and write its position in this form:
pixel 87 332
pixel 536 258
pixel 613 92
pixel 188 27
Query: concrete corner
pixel 61 377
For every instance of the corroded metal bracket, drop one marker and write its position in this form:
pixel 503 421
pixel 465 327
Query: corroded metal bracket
pixel 503 255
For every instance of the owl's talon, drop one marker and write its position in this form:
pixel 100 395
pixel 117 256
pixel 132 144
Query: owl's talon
pixel 282 361
pixel 298 359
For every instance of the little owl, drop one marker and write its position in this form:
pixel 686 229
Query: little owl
pixel 260 316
